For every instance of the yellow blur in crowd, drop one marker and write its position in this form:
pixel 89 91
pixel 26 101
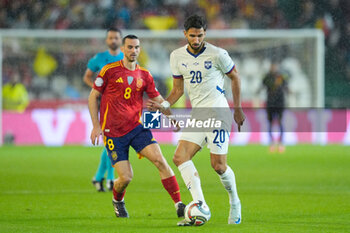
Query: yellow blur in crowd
pixel 14 96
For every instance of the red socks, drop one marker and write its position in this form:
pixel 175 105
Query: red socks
pixel 118 196
pixel 171 185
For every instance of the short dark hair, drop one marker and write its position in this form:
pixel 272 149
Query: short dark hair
pixel 195 21
pixel 114 29
pixel 129 37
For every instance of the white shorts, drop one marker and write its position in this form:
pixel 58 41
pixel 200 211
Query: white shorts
pixel 218 140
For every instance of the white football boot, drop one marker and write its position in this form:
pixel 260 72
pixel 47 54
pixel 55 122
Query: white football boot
pixel 235 214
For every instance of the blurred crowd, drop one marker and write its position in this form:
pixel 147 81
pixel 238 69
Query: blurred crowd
pixel 332 16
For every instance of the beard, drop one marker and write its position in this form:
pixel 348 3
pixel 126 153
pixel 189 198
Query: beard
pixel 113 46
pixel 196 49
pixel 131 58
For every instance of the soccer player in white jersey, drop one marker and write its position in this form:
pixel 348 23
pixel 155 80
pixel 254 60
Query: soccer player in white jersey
pixel 202 68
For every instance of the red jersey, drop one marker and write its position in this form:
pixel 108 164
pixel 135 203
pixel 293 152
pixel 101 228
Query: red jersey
pixel 121 102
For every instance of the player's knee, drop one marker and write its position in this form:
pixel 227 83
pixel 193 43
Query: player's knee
pixel 125 179
pixel 160 163
pixel 177 159
pixel 219 168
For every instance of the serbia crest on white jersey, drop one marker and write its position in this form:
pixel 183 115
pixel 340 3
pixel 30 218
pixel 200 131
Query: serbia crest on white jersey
pixel 207 64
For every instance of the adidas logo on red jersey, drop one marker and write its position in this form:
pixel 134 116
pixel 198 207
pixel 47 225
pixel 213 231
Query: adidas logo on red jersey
pixel 119 80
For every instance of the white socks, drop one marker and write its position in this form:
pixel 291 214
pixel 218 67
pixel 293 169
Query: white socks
pixel 229 182
pixel 193 183
pixel 191 178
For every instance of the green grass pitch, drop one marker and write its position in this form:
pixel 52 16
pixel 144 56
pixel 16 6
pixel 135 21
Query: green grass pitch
pixel 48 189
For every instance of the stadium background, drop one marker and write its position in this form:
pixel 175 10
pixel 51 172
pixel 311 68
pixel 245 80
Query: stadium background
pixel 47 189
pixel 51 68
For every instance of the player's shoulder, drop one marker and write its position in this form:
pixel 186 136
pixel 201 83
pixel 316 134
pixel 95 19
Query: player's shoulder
pixel 97 57
pixel 102 54
pixel 179 51
pixel 215 50
pixel 143 70
pixel 110 66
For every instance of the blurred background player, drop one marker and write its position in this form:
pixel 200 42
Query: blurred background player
pixel 95 64
pixel 275 83
pixel 201 67
pixel 14 94
pixel 121 86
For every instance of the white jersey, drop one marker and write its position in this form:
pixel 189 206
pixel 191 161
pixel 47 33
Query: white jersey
pixel 203 74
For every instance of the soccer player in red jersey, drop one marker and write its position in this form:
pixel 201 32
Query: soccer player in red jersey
pixel 121 86
pixel 95 64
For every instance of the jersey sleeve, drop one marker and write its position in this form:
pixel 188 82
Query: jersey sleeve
pixel 225 62
pixel 93 64
pixel 174 67
pixel 151 89
pixel 100 82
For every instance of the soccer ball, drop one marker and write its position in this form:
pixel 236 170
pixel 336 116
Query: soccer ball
pixel 196 213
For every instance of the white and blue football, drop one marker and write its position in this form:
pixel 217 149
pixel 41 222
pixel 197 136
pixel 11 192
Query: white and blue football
pixel 196 213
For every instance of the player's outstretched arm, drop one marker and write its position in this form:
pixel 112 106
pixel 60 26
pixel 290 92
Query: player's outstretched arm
pixel 154 104
pixel 158 103
pixel 88 77
pixel 238 116
pixel 93 109
pixel 177 91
